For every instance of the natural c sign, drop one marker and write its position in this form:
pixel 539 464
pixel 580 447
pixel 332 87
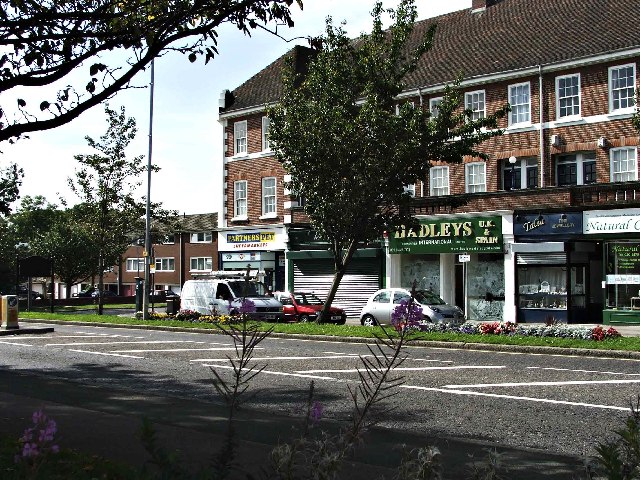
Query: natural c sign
pixel 612 221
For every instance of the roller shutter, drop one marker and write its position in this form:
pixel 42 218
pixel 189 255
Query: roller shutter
pixel 360 281
pixel 547 258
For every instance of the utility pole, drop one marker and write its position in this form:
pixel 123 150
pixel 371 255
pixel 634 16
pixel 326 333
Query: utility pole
pixel 147 223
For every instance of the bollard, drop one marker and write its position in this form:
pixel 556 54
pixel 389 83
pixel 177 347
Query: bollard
pixel 9 312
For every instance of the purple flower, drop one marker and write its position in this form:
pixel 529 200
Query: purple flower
pixel 407 314
pixel 316 412
pixel 247 306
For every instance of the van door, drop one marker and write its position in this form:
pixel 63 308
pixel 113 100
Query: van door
pixel 222 301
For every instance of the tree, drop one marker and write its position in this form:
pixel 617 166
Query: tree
pixel 105 185
pixel 10 181
pixel 349 153
pixel 42 42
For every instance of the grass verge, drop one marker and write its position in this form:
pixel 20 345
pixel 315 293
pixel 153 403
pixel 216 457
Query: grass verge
pixel 621 343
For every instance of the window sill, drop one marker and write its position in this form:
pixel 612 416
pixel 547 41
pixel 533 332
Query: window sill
pixel 240 156
pixel 520 127
pixel 268 216
pixel 620 114
pixel 242 218
pixel 568 121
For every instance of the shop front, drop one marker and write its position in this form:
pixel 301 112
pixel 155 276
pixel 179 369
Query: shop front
pixel 555 268
pixel 311 269
pixel 619 232
pixel 260 249
pixel 461 259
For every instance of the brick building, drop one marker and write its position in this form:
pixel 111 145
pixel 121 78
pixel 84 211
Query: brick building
pixel 547 228
pixel 191 249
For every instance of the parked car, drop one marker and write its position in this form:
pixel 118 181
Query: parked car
pixel 381 304
pixel 85 293
pixel 305 307
pixel 105 293
pixel 23 293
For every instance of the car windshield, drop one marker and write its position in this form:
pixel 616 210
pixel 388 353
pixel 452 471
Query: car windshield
pixel 307 299
pixel 428 298
pixel 248 289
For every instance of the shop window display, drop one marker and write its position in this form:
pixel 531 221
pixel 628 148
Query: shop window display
pixel 485 287
pixel 623 275
pixel 424 269
pixel 542 287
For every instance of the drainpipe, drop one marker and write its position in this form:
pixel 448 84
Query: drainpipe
pixel 541 98
pixel 420 95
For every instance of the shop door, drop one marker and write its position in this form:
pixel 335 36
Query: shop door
pixel 361 280
pixel 279 274
pixel 459 286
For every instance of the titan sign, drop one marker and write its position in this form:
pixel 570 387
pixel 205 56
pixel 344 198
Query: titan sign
pixel 452 235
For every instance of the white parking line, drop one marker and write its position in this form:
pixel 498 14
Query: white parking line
pixel 104 354
pixel 410 369
pixel 116 343
pixel 584 371
pixel 514 397
pixel 177 350
pixel 269 372
pixel 86 336
pixel 264 359
pixel 16 343
pixel 546 384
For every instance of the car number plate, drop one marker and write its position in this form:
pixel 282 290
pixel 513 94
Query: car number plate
pixel 336 317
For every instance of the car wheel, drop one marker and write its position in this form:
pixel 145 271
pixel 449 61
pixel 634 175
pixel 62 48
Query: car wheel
pixel 304 319
pixel 341 322
pixel 369 321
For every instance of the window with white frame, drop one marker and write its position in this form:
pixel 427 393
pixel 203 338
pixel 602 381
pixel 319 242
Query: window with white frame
pixel 202 237
pixel 439 181
pixel 169 239
pixel 624 164
pixel 576 169
pixel 201 264
pixel 265 134
pixel 568 96
pixel 410 189
pixel 521 174
pixel 135 265
pixel 520 101
pixel 475 177
pixel 269 196
pixel 622 84
pixel 240 136
pixel 240 199
pixel 434 106
pixel 475 102
pixel 165 264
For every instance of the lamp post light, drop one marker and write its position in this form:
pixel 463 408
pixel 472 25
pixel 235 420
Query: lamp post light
pixel 512 162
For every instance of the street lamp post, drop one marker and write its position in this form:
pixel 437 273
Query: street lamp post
pixel 512 162
pixel 147 225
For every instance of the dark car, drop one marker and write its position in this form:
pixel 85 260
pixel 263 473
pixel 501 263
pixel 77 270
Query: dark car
pixel 85 293
pixel 23 293
pixel 305 307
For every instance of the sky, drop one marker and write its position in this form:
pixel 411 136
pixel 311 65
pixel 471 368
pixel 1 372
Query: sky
pixel 187 137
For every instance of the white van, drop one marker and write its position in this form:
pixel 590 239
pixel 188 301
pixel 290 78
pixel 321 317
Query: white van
pixel 210 296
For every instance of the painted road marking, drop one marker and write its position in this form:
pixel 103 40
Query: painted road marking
pixel 583 371
pixel 179 350
pixel 409 369
pixel 545 384
pixel 126 343
pixel 104 354
pixel 16 343
pixel 269 372
pixel 85 336
pixel 265 359
pixel 514 397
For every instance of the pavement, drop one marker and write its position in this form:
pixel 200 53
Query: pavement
pixel 106 422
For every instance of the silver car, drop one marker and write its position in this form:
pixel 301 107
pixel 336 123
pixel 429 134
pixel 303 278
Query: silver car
pixel 381 304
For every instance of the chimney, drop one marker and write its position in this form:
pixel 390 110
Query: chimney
pixel 481 5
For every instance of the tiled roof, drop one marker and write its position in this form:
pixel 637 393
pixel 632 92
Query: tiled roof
pixel 509 35
pixel 201 222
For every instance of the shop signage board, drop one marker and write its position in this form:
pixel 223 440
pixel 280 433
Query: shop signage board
pixel 272 239
pixel 449 235
pixel 612 221
pixel 547 224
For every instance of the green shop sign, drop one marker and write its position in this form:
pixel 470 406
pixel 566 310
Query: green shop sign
pixel 450 235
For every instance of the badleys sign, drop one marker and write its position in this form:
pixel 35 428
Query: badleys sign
pixel 452 235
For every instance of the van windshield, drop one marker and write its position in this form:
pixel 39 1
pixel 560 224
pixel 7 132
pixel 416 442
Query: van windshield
pixel 241 288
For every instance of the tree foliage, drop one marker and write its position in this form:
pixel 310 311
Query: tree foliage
pixel 10 182
pixel 42 42
pixel 350 154
pixel 105 183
